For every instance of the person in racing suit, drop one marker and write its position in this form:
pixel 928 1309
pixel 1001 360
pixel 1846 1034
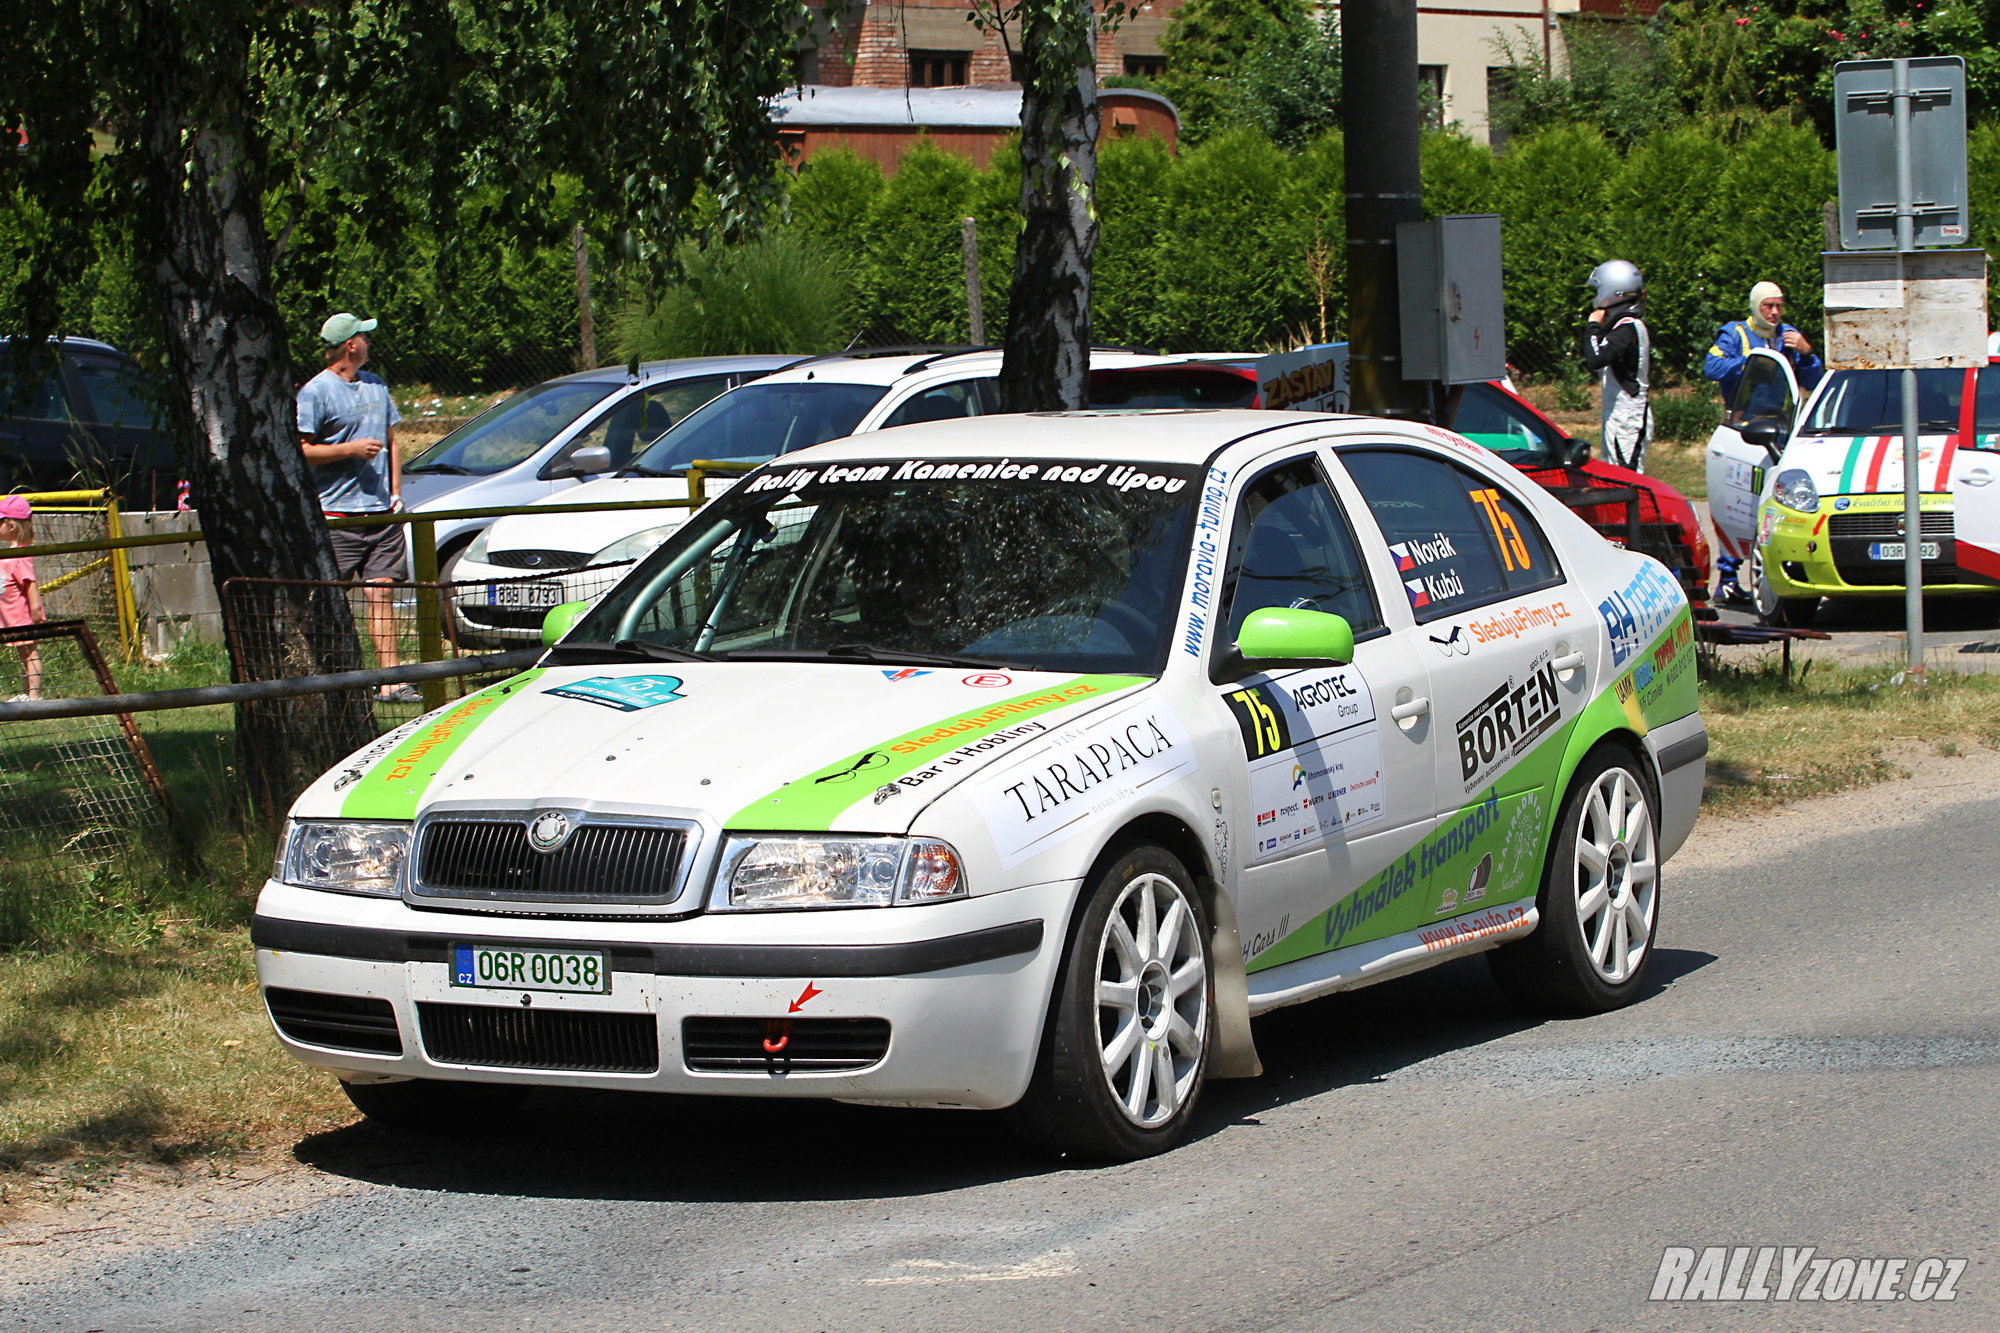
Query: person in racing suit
pixel 1765 328
pixel 1616 342
pixel 1728 355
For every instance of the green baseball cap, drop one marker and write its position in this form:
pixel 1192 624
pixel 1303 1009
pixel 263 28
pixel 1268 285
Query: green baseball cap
pixel 339 328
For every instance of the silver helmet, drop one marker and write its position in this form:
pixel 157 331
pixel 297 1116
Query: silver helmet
pixel 1615 281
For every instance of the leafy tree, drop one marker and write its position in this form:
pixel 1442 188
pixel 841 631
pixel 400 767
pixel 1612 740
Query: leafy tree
pixel 1207 44
pixel 226 114
pixel 917 260
pixel 1610 78
pixel 1290 81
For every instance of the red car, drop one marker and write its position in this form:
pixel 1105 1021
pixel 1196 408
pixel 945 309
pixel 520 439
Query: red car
pixel 1632 510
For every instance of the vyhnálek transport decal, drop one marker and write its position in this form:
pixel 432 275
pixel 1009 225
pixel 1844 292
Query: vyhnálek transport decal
pixel 812 802
pixel 392 786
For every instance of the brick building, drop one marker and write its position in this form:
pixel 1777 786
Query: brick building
pixel 932 44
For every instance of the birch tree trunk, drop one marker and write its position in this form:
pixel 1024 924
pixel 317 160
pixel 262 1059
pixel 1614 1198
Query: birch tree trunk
pixel 259 509
pixel 1046 366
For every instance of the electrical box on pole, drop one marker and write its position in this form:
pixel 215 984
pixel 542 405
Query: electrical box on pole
pixel 1454 326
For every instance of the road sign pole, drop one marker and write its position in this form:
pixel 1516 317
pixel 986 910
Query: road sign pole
pixel 1913 500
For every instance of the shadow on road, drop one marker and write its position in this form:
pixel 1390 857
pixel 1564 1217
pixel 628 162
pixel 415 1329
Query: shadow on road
pixel 639 1146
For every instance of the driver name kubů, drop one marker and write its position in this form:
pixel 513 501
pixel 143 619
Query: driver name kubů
pixel 1028 563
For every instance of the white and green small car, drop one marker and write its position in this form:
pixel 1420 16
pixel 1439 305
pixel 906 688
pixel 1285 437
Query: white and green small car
pixel 1016 762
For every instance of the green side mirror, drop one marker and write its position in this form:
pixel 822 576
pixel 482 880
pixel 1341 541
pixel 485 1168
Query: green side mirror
pixel 561 618
pixel 1282 633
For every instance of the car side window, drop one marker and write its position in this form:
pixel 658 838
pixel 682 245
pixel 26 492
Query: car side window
pixel 1763 396
pixel 41 399
pixel 1458 540
pixel 944 402
pixel 1486 416
pixel 117 392
pixel 1292 546
pixel 640 418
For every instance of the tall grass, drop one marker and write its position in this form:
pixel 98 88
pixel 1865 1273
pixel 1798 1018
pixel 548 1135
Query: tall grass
pixel 779 292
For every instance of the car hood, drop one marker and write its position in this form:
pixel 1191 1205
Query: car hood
pixel 755 745
pixel 590 533
pixel 1870 464
pixel 421 488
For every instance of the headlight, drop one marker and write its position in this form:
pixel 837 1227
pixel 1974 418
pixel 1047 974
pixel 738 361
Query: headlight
pixel 1794 489
pixel 635 547
pixel 477 551
pixel 770 874
pixel 347 857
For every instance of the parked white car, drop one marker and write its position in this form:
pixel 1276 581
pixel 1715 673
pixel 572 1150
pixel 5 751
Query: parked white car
pixel 807 403
pixel 543 441
pixel 1811 499
pixel 1010 763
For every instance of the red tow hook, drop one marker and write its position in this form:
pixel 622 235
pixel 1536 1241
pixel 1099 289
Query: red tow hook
pixel 777 1035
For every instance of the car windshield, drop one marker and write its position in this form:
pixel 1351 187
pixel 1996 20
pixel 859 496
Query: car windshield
pixel 1035 564
pixel 760 421
pixel 1870 402
pixel 510 432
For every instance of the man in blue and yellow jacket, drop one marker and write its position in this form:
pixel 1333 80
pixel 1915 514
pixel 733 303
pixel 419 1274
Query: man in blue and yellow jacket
pixel 1765 328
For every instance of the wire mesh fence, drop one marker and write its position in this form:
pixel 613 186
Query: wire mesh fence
pixel 76 794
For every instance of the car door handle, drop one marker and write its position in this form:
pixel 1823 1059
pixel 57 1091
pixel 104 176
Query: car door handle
pixel 1410 709
pixel 1567 663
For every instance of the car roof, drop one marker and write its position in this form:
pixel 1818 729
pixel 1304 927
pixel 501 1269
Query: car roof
pixel 676 369
pixel 73 341
pixel 1164 435
pixel 891 366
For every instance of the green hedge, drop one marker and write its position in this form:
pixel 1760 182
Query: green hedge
pixel 1234 244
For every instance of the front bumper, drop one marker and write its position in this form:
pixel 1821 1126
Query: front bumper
pixel 1837 551
pixel 503 603
pixel 939 1005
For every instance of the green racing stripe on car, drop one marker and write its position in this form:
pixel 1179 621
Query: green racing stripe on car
pixel 1853 462
pixel 391 786
pixel 813 801
pixel 1489 851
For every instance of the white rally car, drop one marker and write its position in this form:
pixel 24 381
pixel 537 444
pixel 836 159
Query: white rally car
pixel 1811 499
pixel 1016 766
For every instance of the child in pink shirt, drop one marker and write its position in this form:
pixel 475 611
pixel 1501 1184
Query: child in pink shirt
pixel 20 597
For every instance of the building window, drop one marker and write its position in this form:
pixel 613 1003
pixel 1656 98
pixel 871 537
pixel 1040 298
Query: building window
pixel 1145 67
pixel 1430 95
pixel 1503 102
pixel 938 69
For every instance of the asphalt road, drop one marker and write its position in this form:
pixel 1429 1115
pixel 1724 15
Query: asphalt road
pixel 1818 1064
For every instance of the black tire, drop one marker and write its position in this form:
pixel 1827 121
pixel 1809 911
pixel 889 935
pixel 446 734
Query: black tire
pixel 1783 612
pixel 431 1106
pixel 1591 950
pixel 1095 1092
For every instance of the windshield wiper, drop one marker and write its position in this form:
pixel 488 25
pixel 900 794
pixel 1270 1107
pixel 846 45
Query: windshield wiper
pixel 868 652
pixel 625 650
pixel 636 471
pixel 445 469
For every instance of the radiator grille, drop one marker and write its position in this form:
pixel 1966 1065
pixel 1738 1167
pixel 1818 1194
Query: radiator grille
pixel 534 559
pixel 806 1045
pixel 600 863
pixel 1888 524
pixel 509 1038
pixel 343 1022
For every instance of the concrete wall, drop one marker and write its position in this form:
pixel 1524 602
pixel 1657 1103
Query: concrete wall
pixel 171 586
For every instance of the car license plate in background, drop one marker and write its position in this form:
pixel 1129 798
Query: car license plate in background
pixel 1895 551
pixel 532 595
pixel 530 969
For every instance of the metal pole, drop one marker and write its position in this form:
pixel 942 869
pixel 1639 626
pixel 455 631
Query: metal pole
pixel 1913 521
pixel 1384 187
pixel 968 230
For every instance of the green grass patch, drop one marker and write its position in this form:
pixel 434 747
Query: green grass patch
pixel 1773 741
pixel 160 1053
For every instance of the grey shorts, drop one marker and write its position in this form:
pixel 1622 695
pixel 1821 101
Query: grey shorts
pixel 369 553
